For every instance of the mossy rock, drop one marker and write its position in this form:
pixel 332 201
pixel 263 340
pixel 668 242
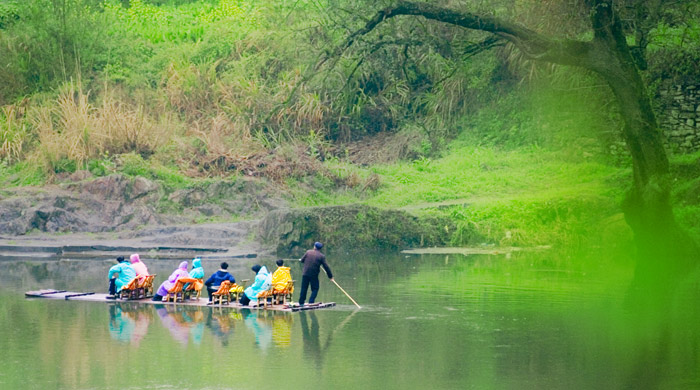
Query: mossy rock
pixel 352 227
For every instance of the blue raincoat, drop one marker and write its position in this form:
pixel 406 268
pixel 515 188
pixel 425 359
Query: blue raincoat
pixel 263 281
pixel 197 270
pixel 126 274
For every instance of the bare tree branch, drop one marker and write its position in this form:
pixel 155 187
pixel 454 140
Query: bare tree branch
pixel 532 44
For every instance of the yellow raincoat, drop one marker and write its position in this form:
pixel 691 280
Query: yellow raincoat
pixel 280 279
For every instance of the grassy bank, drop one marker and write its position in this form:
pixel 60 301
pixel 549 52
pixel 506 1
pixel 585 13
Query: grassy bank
pixel 527 196
pixel 189 92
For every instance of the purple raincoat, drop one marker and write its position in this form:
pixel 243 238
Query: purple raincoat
pixel 168 284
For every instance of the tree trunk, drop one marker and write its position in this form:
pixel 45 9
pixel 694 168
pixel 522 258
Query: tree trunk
pixel 663 248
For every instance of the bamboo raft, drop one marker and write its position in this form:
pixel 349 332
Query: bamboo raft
pixel 99 297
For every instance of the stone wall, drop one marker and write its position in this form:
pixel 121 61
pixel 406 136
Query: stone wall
pixel 679 117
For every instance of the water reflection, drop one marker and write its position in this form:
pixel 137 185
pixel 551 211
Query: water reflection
pixel 183 322
pixel 222 322
pixel 314 350
pixel 662 320
pixel 282 329
pixel 261 329
pixel 310 336
pixel 128 322
pixel 269 327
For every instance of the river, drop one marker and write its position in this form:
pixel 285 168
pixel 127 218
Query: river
pixel 523 321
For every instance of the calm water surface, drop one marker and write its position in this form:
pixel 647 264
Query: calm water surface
pixel 428 322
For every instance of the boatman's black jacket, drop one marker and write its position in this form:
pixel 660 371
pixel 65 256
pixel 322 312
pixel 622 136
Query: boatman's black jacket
pixel 313 260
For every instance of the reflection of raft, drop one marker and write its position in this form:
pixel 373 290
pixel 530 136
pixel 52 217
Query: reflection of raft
pixel 94 297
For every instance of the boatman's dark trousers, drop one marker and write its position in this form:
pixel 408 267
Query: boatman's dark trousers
pixel 305 282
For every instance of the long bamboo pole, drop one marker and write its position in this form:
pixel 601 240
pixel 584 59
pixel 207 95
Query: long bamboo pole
pixel 346 294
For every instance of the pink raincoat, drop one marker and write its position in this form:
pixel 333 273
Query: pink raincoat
pixel 139 266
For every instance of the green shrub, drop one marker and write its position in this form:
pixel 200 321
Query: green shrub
pixel 101 167
pixel 64 165
pixel 688 217
pixel 132 164
pixel 55 41
pixel 674 49
pixel 21 174
pixel 9 13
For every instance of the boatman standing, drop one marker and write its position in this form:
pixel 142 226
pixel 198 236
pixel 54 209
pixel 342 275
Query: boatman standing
pixel 313 260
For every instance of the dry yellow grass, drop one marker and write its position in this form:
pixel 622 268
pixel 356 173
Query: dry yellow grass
pixel 224 142
pixel 190 90
pixel 122 128
pixel 13 132
pixel 77 130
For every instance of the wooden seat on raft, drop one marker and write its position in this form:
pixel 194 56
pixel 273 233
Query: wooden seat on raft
pixel 176 293
pixel 222 294
pixel 266 297
pixel 146 287
pixel 131 290
pixel 194 290
pixel 277 295
pixel 285 293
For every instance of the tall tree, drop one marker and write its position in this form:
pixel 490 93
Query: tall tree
pixel 661 243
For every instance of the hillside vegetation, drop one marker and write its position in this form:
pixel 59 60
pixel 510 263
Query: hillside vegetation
pixel 516 153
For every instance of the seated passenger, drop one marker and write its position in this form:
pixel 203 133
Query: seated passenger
pixel 263 281
pixel 119 276
pixel 162 291
pixel 197 272
pixel 280 277
pixel 139 267
pixel 214 281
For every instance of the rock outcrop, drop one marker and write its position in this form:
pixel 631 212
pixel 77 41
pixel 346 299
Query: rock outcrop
pixel 118 203
pixel 350 227
pixel 107 203
pixel 121 210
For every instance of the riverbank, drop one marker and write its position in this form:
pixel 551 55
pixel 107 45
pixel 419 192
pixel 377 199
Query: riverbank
pixel 473 195
pixel 370 193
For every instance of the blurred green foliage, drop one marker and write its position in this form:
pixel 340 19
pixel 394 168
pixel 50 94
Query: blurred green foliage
pixel 674 48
